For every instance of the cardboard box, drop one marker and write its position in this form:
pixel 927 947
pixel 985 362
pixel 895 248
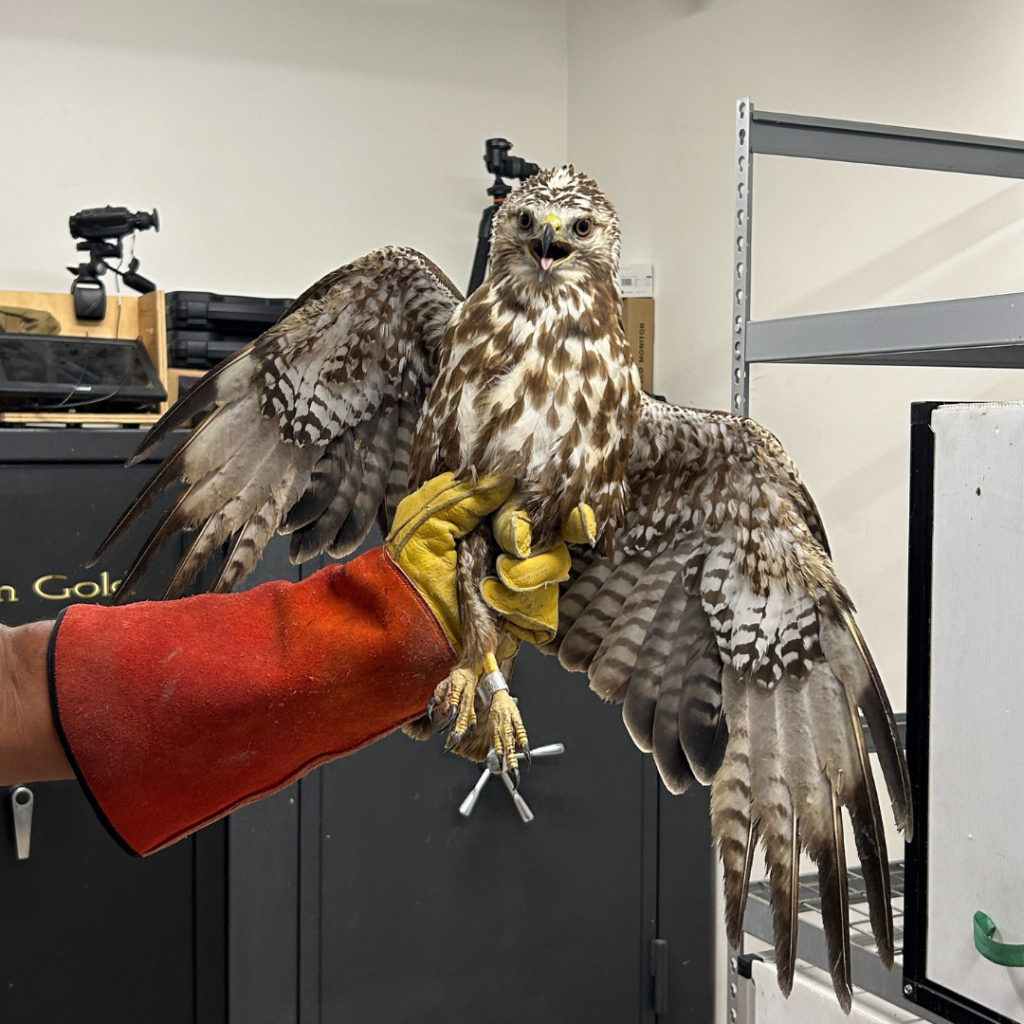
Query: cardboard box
pixel 638 322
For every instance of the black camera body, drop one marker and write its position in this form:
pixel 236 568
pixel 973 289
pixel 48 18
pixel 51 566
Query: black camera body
pixel 111 222
pixel 501 165
pixel 102 230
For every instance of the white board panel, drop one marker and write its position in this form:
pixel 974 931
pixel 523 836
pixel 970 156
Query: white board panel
pixel 976 745
pixel 813 1001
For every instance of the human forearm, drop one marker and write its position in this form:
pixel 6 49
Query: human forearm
pixel 172 714
pixel 176 713
pixel 179 712
pixel 30 750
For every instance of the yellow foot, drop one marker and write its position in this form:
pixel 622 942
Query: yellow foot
pixel 452 703
pixel 507 733
pixel 499 736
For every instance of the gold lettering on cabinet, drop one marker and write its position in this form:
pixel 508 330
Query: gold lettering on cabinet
pixel 49 588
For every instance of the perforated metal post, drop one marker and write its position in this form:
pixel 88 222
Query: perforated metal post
pixel 742 205
pixel 741 256
pixel 740 995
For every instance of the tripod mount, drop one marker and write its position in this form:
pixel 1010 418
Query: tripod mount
pixel 501 165
pixel 102 231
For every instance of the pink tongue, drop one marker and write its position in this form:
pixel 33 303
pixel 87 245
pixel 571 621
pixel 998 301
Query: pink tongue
pixel 546 261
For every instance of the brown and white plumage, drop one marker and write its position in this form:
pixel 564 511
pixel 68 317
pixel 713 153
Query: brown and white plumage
pixel 314 422
pixel 535 380
pixel 723 629
pixel 709 606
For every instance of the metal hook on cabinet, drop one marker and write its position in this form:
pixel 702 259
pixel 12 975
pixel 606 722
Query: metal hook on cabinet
pixel 22 802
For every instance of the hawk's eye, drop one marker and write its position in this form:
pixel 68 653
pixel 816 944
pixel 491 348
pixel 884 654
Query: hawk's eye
pixel 582 227
pixel 526 220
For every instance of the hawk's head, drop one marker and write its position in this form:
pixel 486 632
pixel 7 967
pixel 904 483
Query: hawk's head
pixel 557 229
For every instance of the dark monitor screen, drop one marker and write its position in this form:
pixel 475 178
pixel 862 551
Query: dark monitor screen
pixel 43 372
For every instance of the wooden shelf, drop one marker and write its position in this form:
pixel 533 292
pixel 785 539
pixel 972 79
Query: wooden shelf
pixel 134 316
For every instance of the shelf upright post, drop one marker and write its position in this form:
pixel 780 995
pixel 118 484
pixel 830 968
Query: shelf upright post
pixel 743 202
pixel 737 990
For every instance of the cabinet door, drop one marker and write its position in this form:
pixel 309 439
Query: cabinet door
pixel 427 915
pixel 90 932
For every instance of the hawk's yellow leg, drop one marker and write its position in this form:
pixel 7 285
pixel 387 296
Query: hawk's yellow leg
pixel 454 701
pixel 481 692
pixel 504 722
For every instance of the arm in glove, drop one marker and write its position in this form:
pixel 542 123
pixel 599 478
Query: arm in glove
pixel 174 714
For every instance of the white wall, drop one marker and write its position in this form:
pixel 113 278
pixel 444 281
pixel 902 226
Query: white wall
pixel 652 91
pixel 277 140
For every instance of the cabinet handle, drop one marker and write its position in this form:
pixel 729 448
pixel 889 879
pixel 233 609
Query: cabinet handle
pixel 1005 954
pixel 22 801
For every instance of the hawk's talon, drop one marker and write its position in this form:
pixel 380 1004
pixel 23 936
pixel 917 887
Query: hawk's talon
pixel 507 732
pixel 527 756
pixel 436 718
pixel 454 699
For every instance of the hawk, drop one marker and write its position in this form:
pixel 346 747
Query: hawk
pixel 708 605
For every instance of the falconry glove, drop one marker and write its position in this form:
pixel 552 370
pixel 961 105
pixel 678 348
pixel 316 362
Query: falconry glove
pixel 176 713
pixel 525 590
pixel 422 540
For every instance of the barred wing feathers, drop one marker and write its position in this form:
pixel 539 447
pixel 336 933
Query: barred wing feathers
pixel 722 628
pixel 312 423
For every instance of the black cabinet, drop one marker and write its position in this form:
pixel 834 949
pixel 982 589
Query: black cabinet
pixel 409 912
pixel 435 916
pixel 360 894
pixel 89 932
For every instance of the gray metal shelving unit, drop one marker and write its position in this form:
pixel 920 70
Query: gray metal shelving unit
pixel 984 331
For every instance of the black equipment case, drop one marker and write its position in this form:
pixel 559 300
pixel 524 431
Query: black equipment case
pixel 204 328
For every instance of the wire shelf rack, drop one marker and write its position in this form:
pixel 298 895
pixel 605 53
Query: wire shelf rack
pixel 869 973
pixel 809 904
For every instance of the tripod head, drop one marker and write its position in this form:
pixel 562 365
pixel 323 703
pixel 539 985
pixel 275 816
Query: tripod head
pixel 501 165
pixel 102 230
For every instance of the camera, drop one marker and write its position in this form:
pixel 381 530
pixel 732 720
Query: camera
pixel 501 165
pixel 111 222
pixel 102 230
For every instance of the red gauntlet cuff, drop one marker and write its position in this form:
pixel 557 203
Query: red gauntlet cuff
pixel 175 714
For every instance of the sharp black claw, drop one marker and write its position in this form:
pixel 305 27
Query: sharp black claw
pixel 454 739
pixel 514 775
pixel 431 707
pixel 527 756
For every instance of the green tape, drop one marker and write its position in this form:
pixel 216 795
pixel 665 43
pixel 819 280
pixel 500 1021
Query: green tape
pixel 1004 953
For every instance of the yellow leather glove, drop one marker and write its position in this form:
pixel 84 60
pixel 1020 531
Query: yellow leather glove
pixel 427 524
pixel 525 591
pixel 580 526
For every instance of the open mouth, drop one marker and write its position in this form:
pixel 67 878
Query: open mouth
pixel 556 252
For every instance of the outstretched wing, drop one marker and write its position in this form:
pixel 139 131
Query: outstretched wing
pixel 312 423
pixel 723 629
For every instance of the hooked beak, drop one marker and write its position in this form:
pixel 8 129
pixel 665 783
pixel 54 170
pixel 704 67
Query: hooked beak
pixel 549 249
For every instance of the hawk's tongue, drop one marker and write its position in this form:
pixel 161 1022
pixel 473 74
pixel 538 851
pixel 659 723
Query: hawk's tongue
pixel 545 263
